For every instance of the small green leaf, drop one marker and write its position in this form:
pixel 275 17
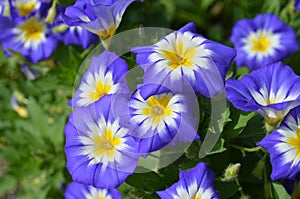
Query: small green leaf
pixel 226 189
pixel 150 181
pixel 134 77
pixel 38 118
pixel 219 147
pixel 280 191
pixel 7 183
pixel 239 121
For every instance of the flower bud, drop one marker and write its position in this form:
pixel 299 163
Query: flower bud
pixel 231 172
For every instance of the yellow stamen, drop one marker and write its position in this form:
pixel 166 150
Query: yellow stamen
pixel 261 44
pixel 295 142
pixel 180 57
pixel 158 108
pixel 32 29
pixel 101 89
pixel 271 101
pixel 105 144
pixel 101 197
pixel 25 8
pixel 107 33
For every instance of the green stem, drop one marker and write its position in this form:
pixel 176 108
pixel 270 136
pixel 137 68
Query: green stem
pixel 254 149
pixel 241 188
pixel 267 185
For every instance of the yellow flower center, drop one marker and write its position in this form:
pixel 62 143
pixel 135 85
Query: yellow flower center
pixel 25 9
pixel 295 142
pixel 198 197
pixel 158 108
pixel 261 44
pixel 107 33
pixel 105 144
pixel 181 56
pixel 101 89
pixel 271 101
pixel 101 197
pixel 32 29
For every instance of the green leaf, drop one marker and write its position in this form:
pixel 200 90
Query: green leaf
pixel 7 183
pixel 241 71
pixel 134 77
pixel 219 147
pixel 38 118
pixel 150 181
pixel 226 189
pixel 280 192
pixel 56 132
pixel 239 121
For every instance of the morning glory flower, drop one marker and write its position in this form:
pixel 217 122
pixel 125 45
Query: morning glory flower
pixel 3 6
pixel 160 117
pixel 297 4
pixel 28 8
pixel 30 72
pixel 77 190
pixel 185 55
pixel 76 35
pixel 99 151
pixel 73 35
pixel 262 40
pixel 271 91
pixel 283 145
pixel 100 18
pixel 196 183
pixel 106 75
pixel 24 8
pixel 33 38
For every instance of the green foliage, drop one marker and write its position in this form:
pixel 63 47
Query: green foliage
pixel 32 160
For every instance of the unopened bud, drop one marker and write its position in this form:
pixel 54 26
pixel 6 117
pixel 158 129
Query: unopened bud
pixel 231 172
pixel 51 15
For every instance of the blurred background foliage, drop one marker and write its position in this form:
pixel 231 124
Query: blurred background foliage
pixel 32 160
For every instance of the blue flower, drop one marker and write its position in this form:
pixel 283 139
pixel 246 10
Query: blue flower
pixel 28 8
pixel 99 151
pixel 271 91
pixel 160 117
pixel 30 72
pixel 262 40
pixel 78 36
pixel 80 191
pixel 196 183
pixel 283 145
pixel 3 6
pixel 106 75
pixel 297 4
pixel 100 18
pixel 33 38
pixel 185 55
pixel 75 34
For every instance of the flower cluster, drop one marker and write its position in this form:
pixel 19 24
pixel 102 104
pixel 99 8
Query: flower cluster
pixel 26 31
pixel 112 127
pixel 99 17
pixel 271 89
pixel 33 28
